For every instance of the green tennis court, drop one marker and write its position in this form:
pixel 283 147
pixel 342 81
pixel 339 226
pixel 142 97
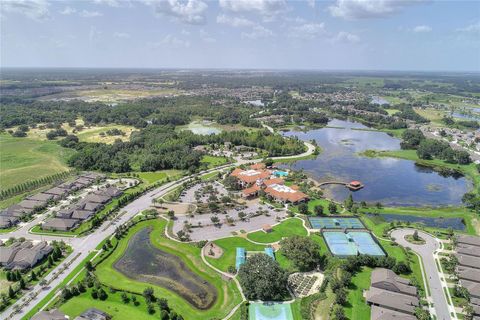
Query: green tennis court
pixel 270 311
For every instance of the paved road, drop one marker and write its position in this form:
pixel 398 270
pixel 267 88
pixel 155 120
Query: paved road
pixel 84 246
pixel 426 252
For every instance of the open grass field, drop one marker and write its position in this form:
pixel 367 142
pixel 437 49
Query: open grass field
pixel 431 114
pixel 357 308
pixel 111 95
pixel 155 176
pixel 113 306
pixel 229 246
pixel 93 134
pixel 227 293
pixel 287 228
pixel 24 159
pixel 212 161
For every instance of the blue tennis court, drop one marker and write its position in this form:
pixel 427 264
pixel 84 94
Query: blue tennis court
pixel 240 258
pixel 343 244
pixel 335 223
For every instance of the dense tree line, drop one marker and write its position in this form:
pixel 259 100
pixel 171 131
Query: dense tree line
pixel 432 148
pixel 161 147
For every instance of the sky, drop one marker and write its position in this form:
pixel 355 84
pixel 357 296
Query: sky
pixel 242 34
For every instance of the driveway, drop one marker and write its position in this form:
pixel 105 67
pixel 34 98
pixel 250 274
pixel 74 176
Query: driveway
pixel 426 252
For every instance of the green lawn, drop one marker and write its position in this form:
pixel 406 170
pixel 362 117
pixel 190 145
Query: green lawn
pixel 152 177
pixel 227 293
pixel 24 159
pixel 113 306
pixel 287 228
pixel 357 308
pixel 212 161
pixel 229 246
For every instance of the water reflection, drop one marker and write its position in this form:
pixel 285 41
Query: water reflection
pixel 388 180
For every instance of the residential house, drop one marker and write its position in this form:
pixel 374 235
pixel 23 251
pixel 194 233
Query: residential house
pixel 60 224
pixel 468 268
pixel 387 279
pixel 93 314
pixel 53 314
pixel 29 256
pixel 7 221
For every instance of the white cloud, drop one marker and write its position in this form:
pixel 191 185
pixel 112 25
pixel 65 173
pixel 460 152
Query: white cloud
pixel 185 32
pixel 311 3
pixel 34 9
pixel 263 7
pixel 473 28
pixel 112 3
pixel 121 35
pixel 68 11
pixel 307 30
pixel 169 41
pixel 257 33
pixel 234 21
pixel 90 14
pixel 422 29
pixel 206 37
pixel 191 11
pixel 94 34
pixel 366 9
pixel 346 37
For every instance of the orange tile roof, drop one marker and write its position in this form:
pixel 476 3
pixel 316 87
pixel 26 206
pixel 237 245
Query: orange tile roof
pixel 286 196
pixel 251 178
pixel 257 166
pixel 253 189
pixel 295 187
pixel 236 172
pixel 273 181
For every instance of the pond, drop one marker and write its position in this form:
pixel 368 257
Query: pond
pixel 391 181
pixel 146 263
pixel 439 222
pixel 379 100
pixel 202 127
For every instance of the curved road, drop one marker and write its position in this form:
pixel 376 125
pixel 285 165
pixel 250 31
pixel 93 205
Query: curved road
pixel 82 247
pixel 426 252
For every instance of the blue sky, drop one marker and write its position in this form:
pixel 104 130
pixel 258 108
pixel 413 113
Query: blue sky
pixel 264 34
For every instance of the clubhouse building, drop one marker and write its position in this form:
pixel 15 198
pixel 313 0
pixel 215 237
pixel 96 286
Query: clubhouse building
pixel 257 179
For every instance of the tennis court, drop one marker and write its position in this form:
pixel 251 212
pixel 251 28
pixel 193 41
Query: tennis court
pixel 343 244
pixel 335 223
pixel 269 311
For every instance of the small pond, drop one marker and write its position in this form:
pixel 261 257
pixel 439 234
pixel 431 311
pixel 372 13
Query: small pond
pixel 202 127
pixel 434 222
pixel 144 262
pixel 391 181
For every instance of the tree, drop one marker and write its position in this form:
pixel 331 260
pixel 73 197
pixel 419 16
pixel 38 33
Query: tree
pixel 124 298
pixel 422 314
pixel 318 209
pixel 349 202
pixel 33 276
pixel 22 283
pixel 341 296
pixel 401 268
pixel 148 294
pixel 332 208
pixel 302 251
pixel 102 295
pixel 338 313
pixel 11 293
pixel 163 304
pixel 89 266
pixel 262 278
pixel 415 236
pixel 303 208
pixel 268 162
pixel 468 312
pixel 215 220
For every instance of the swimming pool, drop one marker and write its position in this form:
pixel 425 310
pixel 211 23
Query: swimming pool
pixel 353 243
pixel 279 173
pixel 335 223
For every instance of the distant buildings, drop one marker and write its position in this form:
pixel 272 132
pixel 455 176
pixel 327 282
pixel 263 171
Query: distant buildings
pixel 391 296
pixel 468 269
pixel 259 179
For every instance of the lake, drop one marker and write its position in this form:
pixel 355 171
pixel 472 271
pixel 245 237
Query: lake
pixel 391 181
pixel 444 223
pixel 202 128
